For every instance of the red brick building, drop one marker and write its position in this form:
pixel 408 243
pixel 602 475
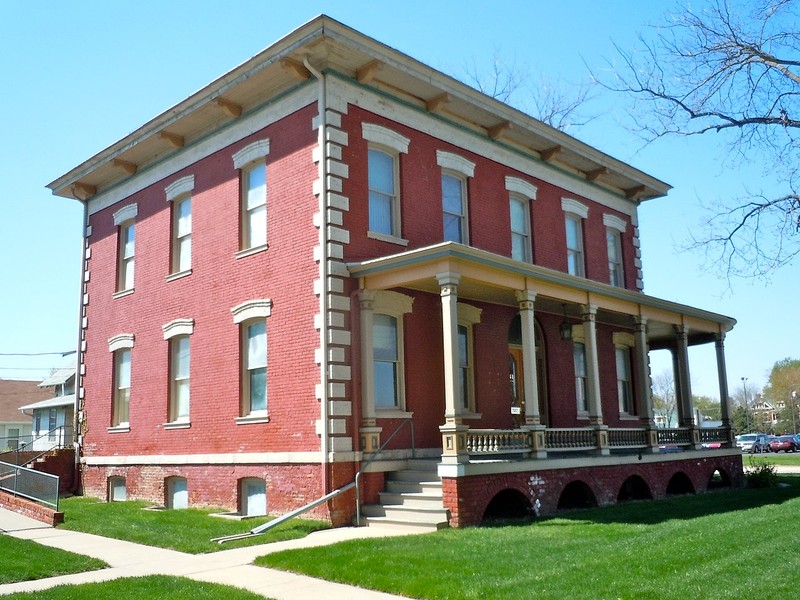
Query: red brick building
pixel 334 247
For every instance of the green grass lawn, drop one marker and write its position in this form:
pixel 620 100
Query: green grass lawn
pixel 141 588
pixel 23 560
pixel 776 458
pixel 729 544
pixel 188 530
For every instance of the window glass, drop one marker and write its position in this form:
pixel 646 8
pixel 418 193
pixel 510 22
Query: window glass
pixel 381 192
pixel 180 365
pixel 453 208
pixel 519 230
pixel 624 381
pixel 614 244
pixel 183 235
pixel 385 358
pixel 257 365
pixel 122 387
pixel 574 247
pixel 127 248
pixel 463 364
pixel 255 206
pixel 579 357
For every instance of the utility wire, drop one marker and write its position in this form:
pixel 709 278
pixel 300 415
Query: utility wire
pixel 67 353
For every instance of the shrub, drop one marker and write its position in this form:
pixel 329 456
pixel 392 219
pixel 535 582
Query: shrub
pixel 761 474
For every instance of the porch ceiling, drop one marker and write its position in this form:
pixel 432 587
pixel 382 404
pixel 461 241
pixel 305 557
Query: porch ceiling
pixel 492 278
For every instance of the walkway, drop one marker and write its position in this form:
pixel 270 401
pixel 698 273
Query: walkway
pixel 229 567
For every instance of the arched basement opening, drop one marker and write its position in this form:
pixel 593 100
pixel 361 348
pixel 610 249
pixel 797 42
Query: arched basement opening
pixel 634 488
pixel 680 484
pixel 507 505
pixel 577 494
pixel 719 479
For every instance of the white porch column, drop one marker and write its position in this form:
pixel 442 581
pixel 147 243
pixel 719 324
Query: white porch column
pixel 592 365
pixel 683 382
pixel 644 386
pixel 526 298
pixel 722 374
pixel 370 434
pixel 454 433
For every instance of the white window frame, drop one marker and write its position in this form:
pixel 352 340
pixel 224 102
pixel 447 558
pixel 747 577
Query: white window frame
pixel 174 333
pixel 176 493
pixel 392 144
pixel 461 169
pixel 179 193
pixel 120 346
pixel 623 343
pixel 468 317
pixel 615 227
pixel 575 213
pixel 125 221
pixel 117 492
pixel 523 192
pixel 245 315
pixel 461 216
pixel 581 397
pixel 247 160
pixel 247 506
pixel 396 305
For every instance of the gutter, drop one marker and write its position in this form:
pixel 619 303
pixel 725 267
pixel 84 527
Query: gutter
pixel 323 267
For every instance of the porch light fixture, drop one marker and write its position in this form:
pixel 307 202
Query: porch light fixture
pixel 565 329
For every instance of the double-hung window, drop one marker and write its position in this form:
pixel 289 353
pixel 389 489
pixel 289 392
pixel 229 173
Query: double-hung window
pixel 624 387
pixel 455 173
pixel 252 165
pixel 251 318
pixel 468 317
pixel 386 361
pixel 178 333
pixel 124 220
pixel 615 227
pixel 575 213
pixel 383 181
pixel 521 193
pixel 579 360
pixel 120 346
pixel 179 193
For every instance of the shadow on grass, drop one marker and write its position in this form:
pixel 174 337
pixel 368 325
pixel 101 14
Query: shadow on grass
pixel 690 506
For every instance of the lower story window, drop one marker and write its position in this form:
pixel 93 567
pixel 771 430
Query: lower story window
pixel 254 384
pixel 253 497
pixel 122 388
pixel 117 491
pixel 579 357
pixel 386 360
pixel 177 493
pixel 624 392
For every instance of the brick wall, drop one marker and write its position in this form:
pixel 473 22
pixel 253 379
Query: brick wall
pixel 468 497
pixel 30 509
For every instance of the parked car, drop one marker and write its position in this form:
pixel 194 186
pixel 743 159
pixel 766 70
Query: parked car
pixel 784 443
pixel 753 442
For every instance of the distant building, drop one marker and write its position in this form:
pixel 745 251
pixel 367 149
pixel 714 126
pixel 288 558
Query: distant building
pixel 15 427
pixel 335 247
pixel 53 416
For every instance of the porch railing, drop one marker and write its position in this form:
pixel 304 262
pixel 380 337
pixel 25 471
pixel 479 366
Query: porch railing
pixel 487 442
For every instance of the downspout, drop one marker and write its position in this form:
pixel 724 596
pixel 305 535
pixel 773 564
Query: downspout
pixel 323 265
pixel 76 436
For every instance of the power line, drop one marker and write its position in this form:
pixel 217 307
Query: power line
pixel 67 353
pixel 29 368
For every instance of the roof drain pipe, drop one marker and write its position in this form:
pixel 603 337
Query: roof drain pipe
pixel 76 412
pixel 323 264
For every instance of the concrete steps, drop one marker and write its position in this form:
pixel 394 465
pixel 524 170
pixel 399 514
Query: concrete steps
pixel 412 500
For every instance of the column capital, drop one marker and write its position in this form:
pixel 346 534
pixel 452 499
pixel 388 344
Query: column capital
pixel 366 299
pixel 640 323
pixel 525 297
pixel 681 332
pixel 589 312
pixel 719 339
pixel 448 278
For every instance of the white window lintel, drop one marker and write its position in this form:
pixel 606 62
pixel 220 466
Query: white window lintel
pixel 252 309
pixel 178 327
pixel 385 137
pixel 614 222
pixel 251 153
pixel 119 342
pixel 521 187
pixel 179 187
pixel 574 207
pixel 126 213
pixel 454 162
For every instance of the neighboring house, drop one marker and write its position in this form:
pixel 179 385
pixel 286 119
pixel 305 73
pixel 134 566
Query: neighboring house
pixel 764 412
pixel 15 427
pixel 334 242
pixel 53 416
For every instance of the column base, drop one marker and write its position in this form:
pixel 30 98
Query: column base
pixel 538 442
pixel 454 442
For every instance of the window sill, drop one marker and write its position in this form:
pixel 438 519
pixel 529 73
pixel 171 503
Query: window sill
pixel 251 251
pixel 179 275
pixel 252 419
pixel 628 417
pixel 122 428
pixel 383 237
pixel 122 293
pixel 471 415
pixel 392 413
pixel 177 425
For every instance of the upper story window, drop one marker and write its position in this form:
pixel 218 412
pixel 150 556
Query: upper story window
pixel 521 193
pixel 615 227
pixel 455 171
pixel 178 333
pixel 251 161
pixel 251 318
pixel 121 346
pixel 383 164
pixel 574 214
pixel 124 220
pixel 179 193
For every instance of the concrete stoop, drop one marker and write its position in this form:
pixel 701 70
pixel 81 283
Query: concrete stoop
pixel 412 500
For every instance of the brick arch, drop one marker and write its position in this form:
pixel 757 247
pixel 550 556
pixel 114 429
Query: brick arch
pixel 577 494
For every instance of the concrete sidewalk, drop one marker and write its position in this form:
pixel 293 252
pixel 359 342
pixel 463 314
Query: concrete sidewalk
pixel 229 567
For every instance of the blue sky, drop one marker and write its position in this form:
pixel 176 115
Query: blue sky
pixel 81 75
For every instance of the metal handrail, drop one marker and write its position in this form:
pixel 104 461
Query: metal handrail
pixel 373 457
pixel 62 429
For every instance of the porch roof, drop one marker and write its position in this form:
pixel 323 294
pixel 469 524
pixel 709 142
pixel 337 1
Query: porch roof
pixel 489 277
pixel 67 400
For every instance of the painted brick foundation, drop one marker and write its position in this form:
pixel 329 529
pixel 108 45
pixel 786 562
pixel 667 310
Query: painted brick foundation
pixel 468 497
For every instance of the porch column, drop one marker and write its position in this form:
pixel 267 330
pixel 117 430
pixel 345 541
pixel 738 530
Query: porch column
pixel 533 421
pixel 644 389
pixel 454 432
pixel 683 385
pixel 370 433
pixel 592 365
pixel 722 374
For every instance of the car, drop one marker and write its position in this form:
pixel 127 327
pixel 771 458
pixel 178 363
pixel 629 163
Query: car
pixel 784 443
pixel 753 442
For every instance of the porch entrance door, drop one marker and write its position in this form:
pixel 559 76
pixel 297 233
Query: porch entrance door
pixel 516 384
